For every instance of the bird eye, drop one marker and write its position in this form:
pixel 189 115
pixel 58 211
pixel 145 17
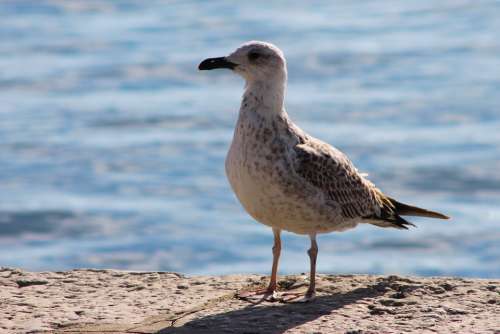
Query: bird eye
pixel 253 56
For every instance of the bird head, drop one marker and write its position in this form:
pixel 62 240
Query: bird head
pixel 254 61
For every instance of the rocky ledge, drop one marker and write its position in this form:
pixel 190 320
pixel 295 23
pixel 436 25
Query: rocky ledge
pixel 111 301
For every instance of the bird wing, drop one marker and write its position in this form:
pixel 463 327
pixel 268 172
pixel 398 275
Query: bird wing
pixel 330 171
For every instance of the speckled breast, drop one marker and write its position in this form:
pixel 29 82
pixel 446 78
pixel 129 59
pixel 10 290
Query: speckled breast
pixel 260 175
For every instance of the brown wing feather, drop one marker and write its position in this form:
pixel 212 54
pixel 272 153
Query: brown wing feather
pixel 332 172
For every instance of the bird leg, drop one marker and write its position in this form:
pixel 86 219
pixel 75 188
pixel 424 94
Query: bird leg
pixel 273 284
pixel 311 291
pixel 270 291
pixel 313 254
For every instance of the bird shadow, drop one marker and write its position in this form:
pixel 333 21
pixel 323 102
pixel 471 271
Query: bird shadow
pixel 276 318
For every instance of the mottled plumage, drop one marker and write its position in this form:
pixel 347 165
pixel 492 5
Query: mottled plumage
pixel 333 173
pixel 285 178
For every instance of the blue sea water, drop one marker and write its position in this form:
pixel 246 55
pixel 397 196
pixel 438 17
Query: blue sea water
pixel 112 144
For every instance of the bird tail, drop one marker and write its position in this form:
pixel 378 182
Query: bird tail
pixel 392 210
pixel 410 210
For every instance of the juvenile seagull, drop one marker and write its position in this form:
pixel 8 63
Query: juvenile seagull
pixel 287 179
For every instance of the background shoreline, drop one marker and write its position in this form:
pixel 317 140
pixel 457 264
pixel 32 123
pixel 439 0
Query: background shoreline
pixel 112 301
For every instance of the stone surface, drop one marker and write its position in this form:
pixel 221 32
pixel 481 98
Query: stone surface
pixel 110 301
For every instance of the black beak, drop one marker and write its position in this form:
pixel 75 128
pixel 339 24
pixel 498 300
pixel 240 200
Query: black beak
pixel 212 63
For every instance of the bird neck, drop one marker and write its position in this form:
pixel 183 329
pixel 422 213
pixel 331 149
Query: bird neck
pixel 265 98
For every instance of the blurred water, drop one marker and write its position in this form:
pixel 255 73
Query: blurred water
pixel 112 143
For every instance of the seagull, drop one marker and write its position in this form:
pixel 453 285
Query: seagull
pixel 289 180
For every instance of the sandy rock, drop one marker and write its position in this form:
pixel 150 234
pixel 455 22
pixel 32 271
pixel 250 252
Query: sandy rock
pixel 110 301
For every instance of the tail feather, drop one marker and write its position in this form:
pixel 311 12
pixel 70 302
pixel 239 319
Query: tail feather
pixel 392 210
pixel 394 222
pixel 409 210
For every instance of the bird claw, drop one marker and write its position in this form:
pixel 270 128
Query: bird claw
pixel 294 297
pixel 258 296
